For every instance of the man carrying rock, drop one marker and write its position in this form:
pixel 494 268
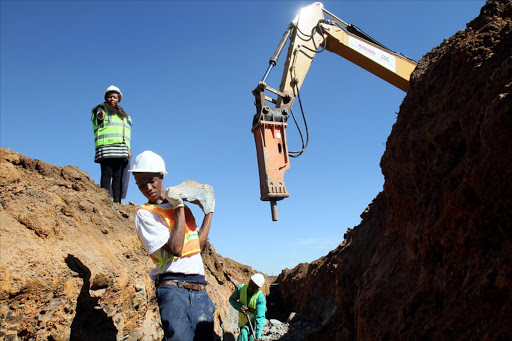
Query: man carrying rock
pixel 167 229
pixel 250 303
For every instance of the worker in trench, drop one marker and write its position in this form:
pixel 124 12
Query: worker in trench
pixel 250 303
pixel 167 229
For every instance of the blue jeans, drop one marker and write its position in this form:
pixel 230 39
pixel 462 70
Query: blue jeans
pixel 185 314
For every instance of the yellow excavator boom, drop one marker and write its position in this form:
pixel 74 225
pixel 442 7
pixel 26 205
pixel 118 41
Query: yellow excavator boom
pixel 309 33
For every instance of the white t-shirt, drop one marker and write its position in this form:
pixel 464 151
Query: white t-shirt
pixel 154 233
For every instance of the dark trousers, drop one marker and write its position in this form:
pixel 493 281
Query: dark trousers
pixel 112 175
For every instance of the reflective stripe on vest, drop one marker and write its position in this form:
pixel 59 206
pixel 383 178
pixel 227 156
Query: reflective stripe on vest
pixel 190 247
pixel 242 319
pixel 112 130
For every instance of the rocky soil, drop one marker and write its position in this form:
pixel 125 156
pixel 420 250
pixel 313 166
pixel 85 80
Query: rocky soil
pixel 432 257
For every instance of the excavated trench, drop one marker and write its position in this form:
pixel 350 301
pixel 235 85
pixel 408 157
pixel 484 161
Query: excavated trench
pixel 431 257
pixel 276 309
pixel 282 323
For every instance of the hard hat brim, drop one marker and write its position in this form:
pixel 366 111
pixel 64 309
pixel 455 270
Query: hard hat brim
pixel 145 171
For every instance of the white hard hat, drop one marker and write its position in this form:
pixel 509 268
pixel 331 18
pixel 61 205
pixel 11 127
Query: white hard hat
pixel 148 162
pixel 258 279
pixel 113 88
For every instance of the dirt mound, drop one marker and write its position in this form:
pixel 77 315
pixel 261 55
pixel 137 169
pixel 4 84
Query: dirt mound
pixel 432 257
pixel 72 266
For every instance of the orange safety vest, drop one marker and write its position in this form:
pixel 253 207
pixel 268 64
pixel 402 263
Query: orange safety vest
pixel 191 246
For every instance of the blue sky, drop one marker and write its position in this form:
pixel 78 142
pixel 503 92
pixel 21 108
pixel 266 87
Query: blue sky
pixel 186 70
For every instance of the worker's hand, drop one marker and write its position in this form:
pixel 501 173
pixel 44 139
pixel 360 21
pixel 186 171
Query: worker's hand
pixel 208 205
pixel 100 114
pixel 205 199
pixel 174 197
pixel 244 308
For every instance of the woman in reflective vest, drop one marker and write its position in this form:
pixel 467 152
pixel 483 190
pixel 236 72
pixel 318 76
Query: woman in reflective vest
pixel 250 302
pixel 112 132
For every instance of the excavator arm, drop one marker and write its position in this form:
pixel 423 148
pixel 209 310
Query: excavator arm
pixel 309 33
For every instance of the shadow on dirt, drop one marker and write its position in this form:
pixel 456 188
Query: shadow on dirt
pixel 90 322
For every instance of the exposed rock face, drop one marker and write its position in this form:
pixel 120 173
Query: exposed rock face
pixel 72 266
pixel 432 257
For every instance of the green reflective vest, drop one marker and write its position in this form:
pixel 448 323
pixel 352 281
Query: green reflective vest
pixel 112 130
pixel 242 319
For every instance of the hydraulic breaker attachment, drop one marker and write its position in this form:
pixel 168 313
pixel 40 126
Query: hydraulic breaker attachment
pixel 269 129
